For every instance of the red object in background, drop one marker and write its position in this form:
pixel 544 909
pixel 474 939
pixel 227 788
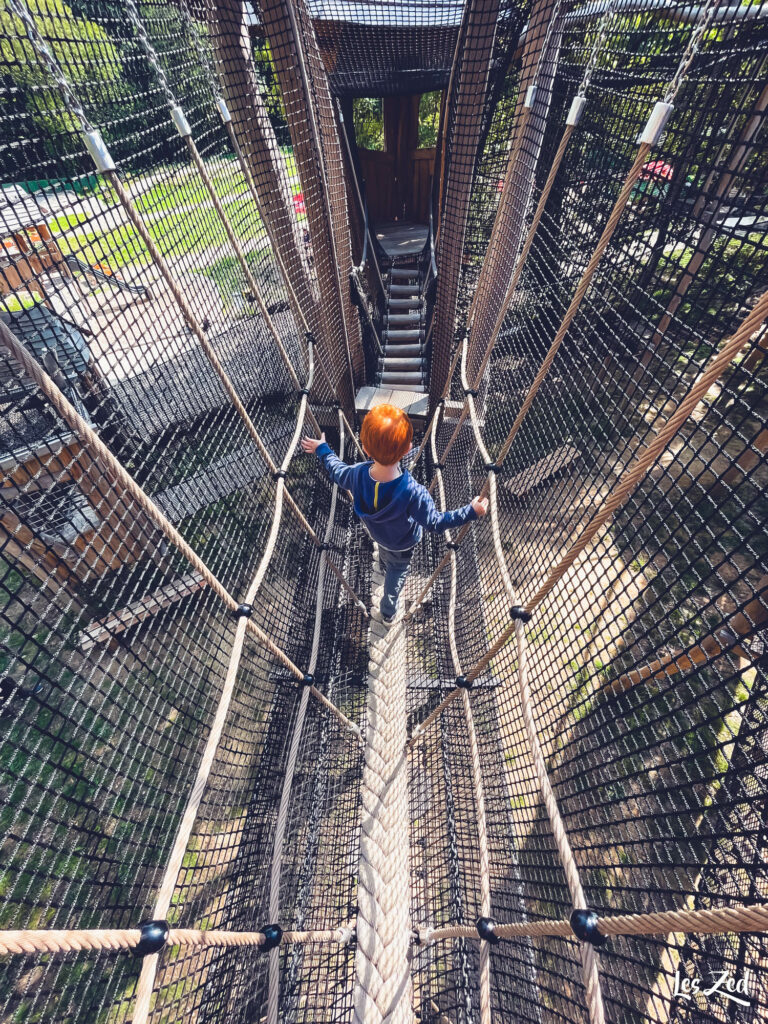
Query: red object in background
pixel 657 169
pixel 298 203
pixel 500 185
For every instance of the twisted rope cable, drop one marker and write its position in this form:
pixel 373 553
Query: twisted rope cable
pixel 33 941
pixel 477 773
pixel 721 921
pixel 124 484
pixel 383 986
pixel 273 998
pixel 642 464
pixel 173 868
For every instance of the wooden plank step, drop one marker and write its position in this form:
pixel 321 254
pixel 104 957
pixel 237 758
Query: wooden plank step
pixel 103 630
pixel 542 470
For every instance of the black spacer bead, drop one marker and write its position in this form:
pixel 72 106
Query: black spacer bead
pixel 272 933
pixel 308 680
pixel 154 935
pixel 304 391
pixel 452 545
pixel 279 474
pixel 310 338
pixel 243 611
pixel 486 929
pixel 439 465
pixel 463 683
pixel 491 467
pixel 584 924
pixel 471 391
pixel 518 611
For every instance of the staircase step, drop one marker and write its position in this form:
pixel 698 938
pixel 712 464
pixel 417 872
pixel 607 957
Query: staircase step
pixel 398 334
pixel 404 271
pixel 403 319
pixel 401 350
pixel 404 289
pixel 395 379
pixel 405 303
pixel 411 387
pixel 402 363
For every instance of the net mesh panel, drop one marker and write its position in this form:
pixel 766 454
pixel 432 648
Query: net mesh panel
pixel 115 653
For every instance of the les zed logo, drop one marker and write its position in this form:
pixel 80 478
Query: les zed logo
pixel 724 985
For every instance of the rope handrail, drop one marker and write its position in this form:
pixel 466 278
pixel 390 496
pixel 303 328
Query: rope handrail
pixel 742 918
pixel 478 788
pixel 720 921
pixel 28 942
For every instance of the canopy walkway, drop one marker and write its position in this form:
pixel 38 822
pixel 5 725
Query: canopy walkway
pixel 229 791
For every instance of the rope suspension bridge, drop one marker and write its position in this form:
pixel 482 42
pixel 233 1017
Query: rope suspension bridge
pixel 539 794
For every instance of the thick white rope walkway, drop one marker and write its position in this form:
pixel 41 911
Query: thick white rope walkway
pixel 383 987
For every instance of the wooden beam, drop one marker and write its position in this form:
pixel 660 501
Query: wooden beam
pixel 105 630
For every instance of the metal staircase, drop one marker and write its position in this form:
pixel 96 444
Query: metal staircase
pixel 402 366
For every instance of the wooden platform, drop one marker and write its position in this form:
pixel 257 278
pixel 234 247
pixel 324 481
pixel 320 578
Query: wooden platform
pixel 542 470
pixel 415 403
pixel 401 238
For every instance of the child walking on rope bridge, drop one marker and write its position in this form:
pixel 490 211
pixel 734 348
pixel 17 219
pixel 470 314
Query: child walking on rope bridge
pixel 391 504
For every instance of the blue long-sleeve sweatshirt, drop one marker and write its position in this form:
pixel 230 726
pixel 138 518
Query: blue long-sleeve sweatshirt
pixel 394 511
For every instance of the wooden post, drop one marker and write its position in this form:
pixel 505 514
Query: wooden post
pixel 317 151
pixel 461 135
pixel 525 146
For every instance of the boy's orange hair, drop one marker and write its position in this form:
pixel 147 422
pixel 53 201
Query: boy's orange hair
pixel 386 434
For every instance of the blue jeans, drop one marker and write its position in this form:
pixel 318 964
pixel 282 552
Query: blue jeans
pixel 395 565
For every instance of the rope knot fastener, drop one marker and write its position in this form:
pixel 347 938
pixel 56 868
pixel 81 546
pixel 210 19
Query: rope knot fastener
pixel 308 679
pixel 273 935
pixel 243 611
pixel 520 613
pixel 304 391
pixel 154 935
pixel 584 924
pixel 440 465
pixel 279 474
pixel 470 391
pixel 452 545
pixel 462 683
pixel 486 929
pixel 309 338
pixel 491 467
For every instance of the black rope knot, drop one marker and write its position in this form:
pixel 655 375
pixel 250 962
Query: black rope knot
pixel 243 611
pixel 486 929
pixel 304 391
pixel 309 338
pixel 308 679
pixel 279 474
pixel 462 683
pixel 452 545
pixel 491 467
pixel 584 924
pixel 272 933
pixel 471 391
pixel 154 935
pixel 520 612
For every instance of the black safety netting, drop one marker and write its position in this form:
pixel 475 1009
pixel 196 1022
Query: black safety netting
pixel 646 659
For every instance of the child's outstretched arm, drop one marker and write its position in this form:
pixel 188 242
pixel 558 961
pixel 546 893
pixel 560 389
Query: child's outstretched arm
pixel 424 511
pixel 339 472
